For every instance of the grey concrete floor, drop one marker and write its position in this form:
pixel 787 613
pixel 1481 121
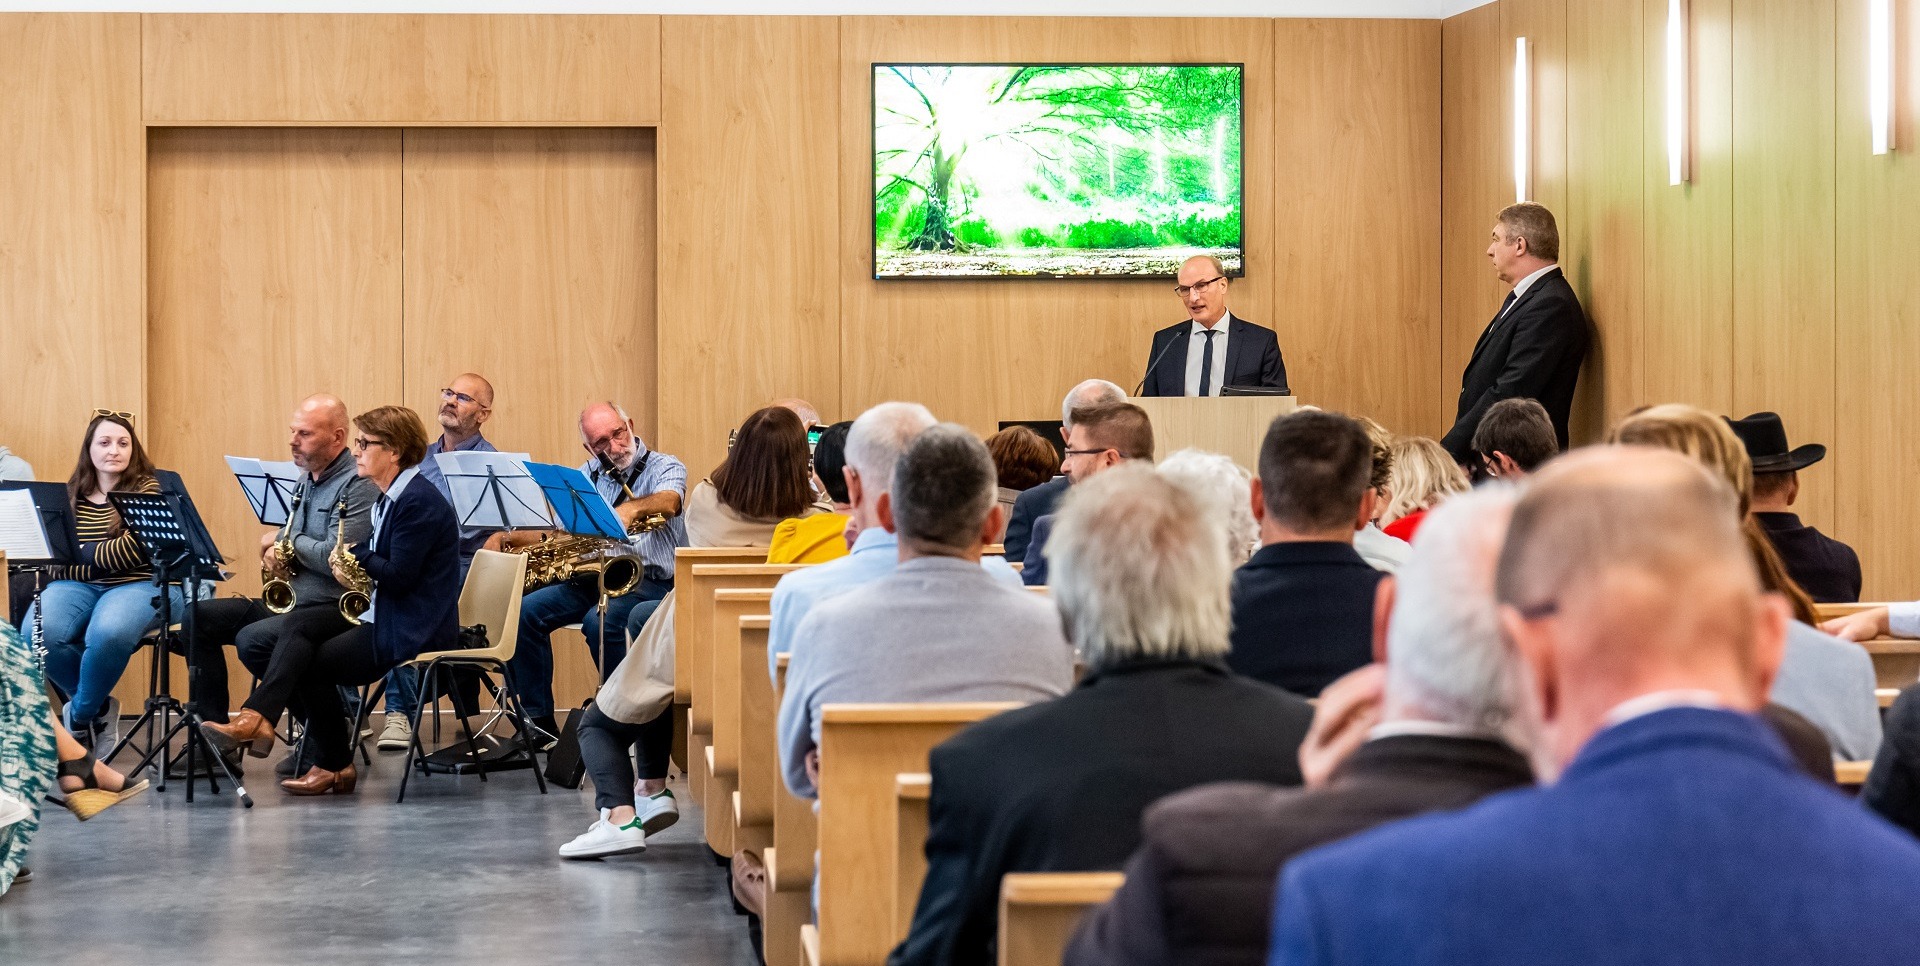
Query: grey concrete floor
pixel 462 872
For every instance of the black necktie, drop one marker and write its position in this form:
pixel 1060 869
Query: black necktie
pixel 1504 306
pixel 1206 362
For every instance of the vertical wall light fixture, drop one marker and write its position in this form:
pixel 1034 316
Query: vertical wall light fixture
pixel 1679 89
pixel 1880 73
pixel 1522 121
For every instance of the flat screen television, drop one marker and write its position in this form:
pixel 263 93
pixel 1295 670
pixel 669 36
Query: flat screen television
pixel 1055 170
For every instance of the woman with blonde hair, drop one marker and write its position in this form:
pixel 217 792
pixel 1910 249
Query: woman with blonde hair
pixel 1828 681
pixel 1422 476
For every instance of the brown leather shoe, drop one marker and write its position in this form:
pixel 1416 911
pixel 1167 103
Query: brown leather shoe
pixel 319 781
pixel 245 730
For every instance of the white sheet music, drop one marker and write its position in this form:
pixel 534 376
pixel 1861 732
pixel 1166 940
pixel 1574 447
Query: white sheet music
pixel 268 484
pixel 513 501
pixel 22 536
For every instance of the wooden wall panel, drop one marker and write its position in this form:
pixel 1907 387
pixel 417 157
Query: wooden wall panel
pixel 1544 24
pixel 70 230
pixel 529 260
pixel 401 69
pixel 1476 172
pixel 1603 230
pixel 1877 316
pixel 1783 215
pixel 1357 168
pixel 274 271
pixel 750 216
pixel 980 351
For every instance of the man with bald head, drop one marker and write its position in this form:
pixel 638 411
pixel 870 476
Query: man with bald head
pixel 1678 829
pixel 1212 349
pixel 1039 501
pixel 317 439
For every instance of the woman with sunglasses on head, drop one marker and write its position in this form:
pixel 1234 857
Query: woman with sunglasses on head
pixel 93 618
pixel 413 559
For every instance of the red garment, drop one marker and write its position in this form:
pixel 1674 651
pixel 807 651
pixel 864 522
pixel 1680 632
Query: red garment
pixel 1405 527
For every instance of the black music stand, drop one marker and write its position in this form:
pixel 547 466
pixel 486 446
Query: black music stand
pixel 55 513
pixel 181 551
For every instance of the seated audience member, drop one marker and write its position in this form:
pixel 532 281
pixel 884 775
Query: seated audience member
pixel 1303 605
pixel 1380 550
pixel 1040 501
pixel 1200 887
pixel 874 445
pixel 1893 784
pixel 1829 682
pixel 13 467
pixel 937 628
pixel 820 537
pixel 1022 461
pixel 1140 580
pixel 1101 437
pixel 1227 488
pixel 1827 569
pixel 762 482
pixel 1678 828
pixel 1423 476
pixel 1512 440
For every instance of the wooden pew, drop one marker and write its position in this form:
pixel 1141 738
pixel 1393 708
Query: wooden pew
pixel 1851 774
pixel 1885 696
pixel 1827 612
pixel 1039 910
pixel 693 653
pixel 730 604
pixel 759 776
pixel 684 560
pixel 863 748
pixel 910 846
pixel 789 863
pixel 1896 661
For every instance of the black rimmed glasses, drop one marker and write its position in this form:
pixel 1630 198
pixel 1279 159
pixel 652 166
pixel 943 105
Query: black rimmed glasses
pixel 1182 290
pixel 361 443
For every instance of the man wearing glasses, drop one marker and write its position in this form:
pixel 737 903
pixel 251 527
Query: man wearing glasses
pixel 1099 438
pixel 1212 349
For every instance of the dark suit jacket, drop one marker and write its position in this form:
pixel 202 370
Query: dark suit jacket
pixel 1681 836
pixel 1029 506
pixel 1253 358
pixel 1825 568
pixel 1533 351
pixel 415 566
pixel 1033 567
pixel 1059 786
pixel 1302 615
pixel 1199 891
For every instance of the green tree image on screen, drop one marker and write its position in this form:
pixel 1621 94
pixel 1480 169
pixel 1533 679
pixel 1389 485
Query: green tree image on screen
pixel 1062 170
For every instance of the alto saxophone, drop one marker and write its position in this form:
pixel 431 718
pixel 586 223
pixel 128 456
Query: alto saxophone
pixel 276 591
pixel 359 587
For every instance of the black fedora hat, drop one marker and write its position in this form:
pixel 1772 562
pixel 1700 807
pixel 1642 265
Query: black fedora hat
pixel 1766 441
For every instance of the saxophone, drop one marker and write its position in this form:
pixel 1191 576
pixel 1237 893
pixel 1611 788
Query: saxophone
pixel 359 587
pixel 558 558
pixel 277 592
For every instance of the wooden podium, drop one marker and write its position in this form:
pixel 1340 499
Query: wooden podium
pixel 1232 425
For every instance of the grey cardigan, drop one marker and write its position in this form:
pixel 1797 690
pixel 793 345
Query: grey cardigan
pixel 313 526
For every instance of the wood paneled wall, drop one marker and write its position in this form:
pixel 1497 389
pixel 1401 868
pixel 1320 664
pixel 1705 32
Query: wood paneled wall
pixel 1771 281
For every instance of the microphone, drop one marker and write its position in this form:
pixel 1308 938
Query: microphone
pixel 1154 362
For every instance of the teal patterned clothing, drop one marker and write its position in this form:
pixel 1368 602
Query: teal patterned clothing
pixel 28 760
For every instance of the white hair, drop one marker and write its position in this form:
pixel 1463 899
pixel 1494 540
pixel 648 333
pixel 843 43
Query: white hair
pixel 1445 653
pixel 1089 393
pixel 877 439
pixel 581 423
pixel 1137 571
pixel 1226 488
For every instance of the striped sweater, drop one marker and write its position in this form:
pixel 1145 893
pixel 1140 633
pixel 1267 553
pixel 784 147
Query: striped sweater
pixel 107 558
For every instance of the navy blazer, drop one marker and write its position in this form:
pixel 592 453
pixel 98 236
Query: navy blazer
pixel 1531 351
pixel 1031 505
pixel 415 566
pixel 1684 836
pixel 1253 358
pixel 1033 566
pixel 1303 615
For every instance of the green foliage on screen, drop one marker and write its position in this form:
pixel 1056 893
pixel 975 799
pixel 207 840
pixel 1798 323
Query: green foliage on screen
pixel 1055 169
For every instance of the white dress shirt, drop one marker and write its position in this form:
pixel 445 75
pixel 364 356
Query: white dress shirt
pixel 1520 288
pixel 1197 347
pixel 382 506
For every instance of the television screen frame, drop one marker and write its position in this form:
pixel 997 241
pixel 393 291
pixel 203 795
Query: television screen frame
pixel 873 154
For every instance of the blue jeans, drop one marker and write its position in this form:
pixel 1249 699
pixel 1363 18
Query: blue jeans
pixel 91 634
pixel 550 608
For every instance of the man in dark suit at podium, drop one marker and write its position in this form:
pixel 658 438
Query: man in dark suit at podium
pixel 1533 348
pixel 1212 349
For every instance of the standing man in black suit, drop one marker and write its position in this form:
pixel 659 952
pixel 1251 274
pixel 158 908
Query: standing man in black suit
pixel 1533 348
pixel 1212 349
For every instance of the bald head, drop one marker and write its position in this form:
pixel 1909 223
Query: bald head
pixel 809 416
pixel 606 429
pixel 1625 573
pixel 1092 392
pixel 465 404
pixel 317 432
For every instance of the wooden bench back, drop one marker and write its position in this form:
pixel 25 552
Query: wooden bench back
pixel 693 650
pixel 1039 911
pixel 790 860
pixel 1896 661
pixel 863 748
pixel 730 604
pixel 911 790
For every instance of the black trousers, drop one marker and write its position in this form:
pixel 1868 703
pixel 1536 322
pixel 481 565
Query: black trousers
pixel 247 626
pixel 603 749
pixel 1893 786
pixel 304 672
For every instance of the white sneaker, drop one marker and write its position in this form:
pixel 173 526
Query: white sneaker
pixel 604 839
pixel 657 812
pixel 396 735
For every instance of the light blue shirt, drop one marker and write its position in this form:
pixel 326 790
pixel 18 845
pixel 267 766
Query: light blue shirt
pixel 383 505
pixel 875 554
pixel 662 474
pixel 1903 619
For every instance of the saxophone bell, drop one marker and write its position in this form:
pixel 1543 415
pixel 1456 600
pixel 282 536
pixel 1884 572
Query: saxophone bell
pixel 359 587
pixel 276 592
